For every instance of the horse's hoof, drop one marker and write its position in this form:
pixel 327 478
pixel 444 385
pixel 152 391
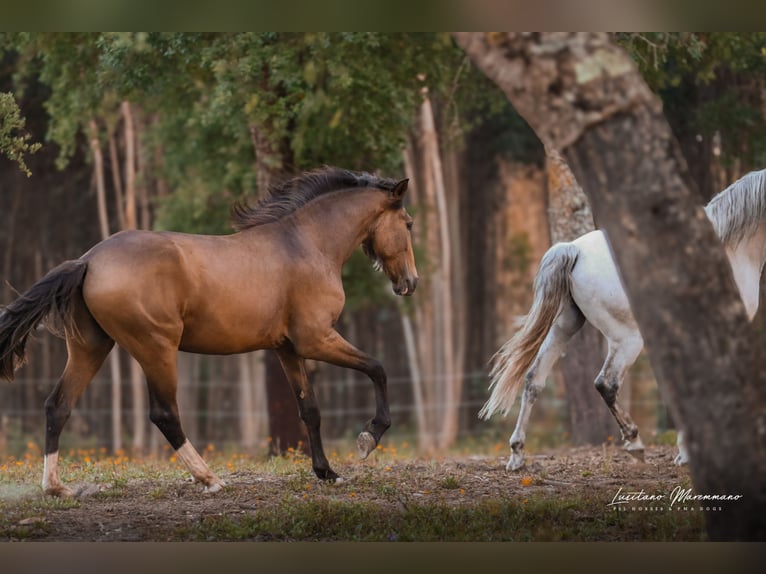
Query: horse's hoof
pixel 365 444
pixel 215 487
pixel 59 491
pixel 328 475
pixel 637 453
pixel 515 463
pixel 681 459
pixel 635 448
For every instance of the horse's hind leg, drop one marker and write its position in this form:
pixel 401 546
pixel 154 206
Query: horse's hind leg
pixel 295 370
pixel 86 353
pixel 567 324
pixel 159 365
pixel 620 357
pixel 683 455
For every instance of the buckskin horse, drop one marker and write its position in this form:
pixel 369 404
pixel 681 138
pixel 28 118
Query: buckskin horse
pixel 274 284
pixel 578 281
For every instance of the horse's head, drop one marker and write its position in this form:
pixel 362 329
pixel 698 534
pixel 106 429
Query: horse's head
pixel 389 244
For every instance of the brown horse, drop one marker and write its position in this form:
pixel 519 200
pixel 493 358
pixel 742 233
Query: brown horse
pixel 276 284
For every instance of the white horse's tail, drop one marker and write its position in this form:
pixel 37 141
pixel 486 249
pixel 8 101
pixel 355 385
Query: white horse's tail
pixel 514 359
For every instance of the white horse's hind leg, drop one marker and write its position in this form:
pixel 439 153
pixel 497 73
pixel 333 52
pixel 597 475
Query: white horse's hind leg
pixel 620 357
pixel 567 324
pixel 683 455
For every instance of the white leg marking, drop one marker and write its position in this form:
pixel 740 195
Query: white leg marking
pixel 50 470
pixel 198 468
pixel 51 483
pixel 683 455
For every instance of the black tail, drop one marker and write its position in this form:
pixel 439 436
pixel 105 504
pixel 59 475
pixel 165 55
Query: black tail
pixel 52 294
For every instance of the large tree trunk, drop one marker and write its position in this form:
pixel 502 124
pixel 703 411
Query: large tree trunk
pixel 570 217
pixel 582 95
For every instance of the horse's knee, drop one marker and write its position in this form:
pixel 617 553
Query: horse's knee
pixel 376 371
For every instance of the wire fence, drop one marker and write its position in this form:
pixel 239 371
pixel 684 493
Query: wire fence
pixel 219 423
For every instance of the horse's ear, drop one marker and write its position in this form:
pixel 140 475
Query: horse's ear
pixel 400 189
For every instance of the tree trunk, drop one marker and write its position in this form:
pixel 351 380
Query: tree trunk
pixel 286 429
pixel 250 378
pixel 137 385
pixel 425 237
pixel 188 383
pixel 582 95
pixel 117 180
pixel 443 274
pixel 103 219
pixel 570 217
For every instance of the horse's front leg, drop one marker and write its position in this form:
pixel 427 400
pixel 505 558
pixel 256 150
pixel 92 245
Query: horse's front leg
pixel 295 371
pixel 336 350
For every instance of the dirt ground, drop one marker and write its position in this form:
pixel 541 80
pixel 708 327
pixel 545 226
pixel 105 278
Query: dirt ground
pixel 158 508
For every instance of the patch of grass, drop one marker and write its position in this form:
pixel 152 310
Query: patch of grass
pixel 536 518
pixel 25 518
pixel 667 438
pixel 449 482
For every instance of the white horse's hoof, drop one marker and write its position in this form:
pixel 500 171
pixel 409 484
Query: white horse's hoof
pixel 681 459
pixel 635 448
pixel 365 444
pixel 515 462
pixel 637 453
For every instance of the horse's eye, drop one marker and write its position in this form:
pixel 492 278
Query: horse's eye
pixel 409 225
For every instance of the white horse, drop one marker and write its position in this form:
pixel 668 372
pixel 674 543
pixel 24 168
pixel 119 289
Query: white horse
pixel 578 281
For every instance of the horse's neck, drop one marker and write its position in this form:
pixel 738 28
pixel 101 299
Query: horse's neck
pixel 747 260
pixel 336 224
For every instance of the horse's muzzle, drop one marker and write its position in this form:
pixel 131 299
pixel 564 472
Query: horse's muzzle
pixel 406 287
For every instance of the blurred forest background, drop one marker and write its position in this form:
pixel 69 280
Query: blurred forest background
pixel 167 130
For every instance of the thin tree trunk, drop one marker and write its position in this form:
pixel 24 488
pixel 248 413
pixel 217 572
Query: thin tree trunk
pixel 137 385
pixel 427 238
pixel 131 218
pixel 582 95
pixel 417 381
pixel 98 166
pixel 451 380
pixel 412 342
pixel 247 429
pixel 114 357
pixel 114 160
pixel 187 398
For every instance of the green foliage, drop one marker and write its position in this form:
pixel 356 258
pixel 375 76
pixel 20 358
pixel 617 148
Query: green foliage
pixel 309 99
pixel 14 141
pixel 709 84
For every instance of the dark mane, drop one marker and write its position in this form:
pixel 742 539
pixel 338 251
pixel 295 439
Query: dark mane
pixel 291 195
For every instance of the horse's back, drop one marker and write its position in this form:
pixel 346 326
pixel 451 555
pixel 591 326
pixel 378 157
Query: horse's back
pixel 597 289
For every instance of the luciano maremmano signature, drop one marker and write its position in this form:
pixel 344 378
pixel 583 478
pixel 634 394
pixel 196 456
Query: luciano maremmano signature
pixel 677 495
